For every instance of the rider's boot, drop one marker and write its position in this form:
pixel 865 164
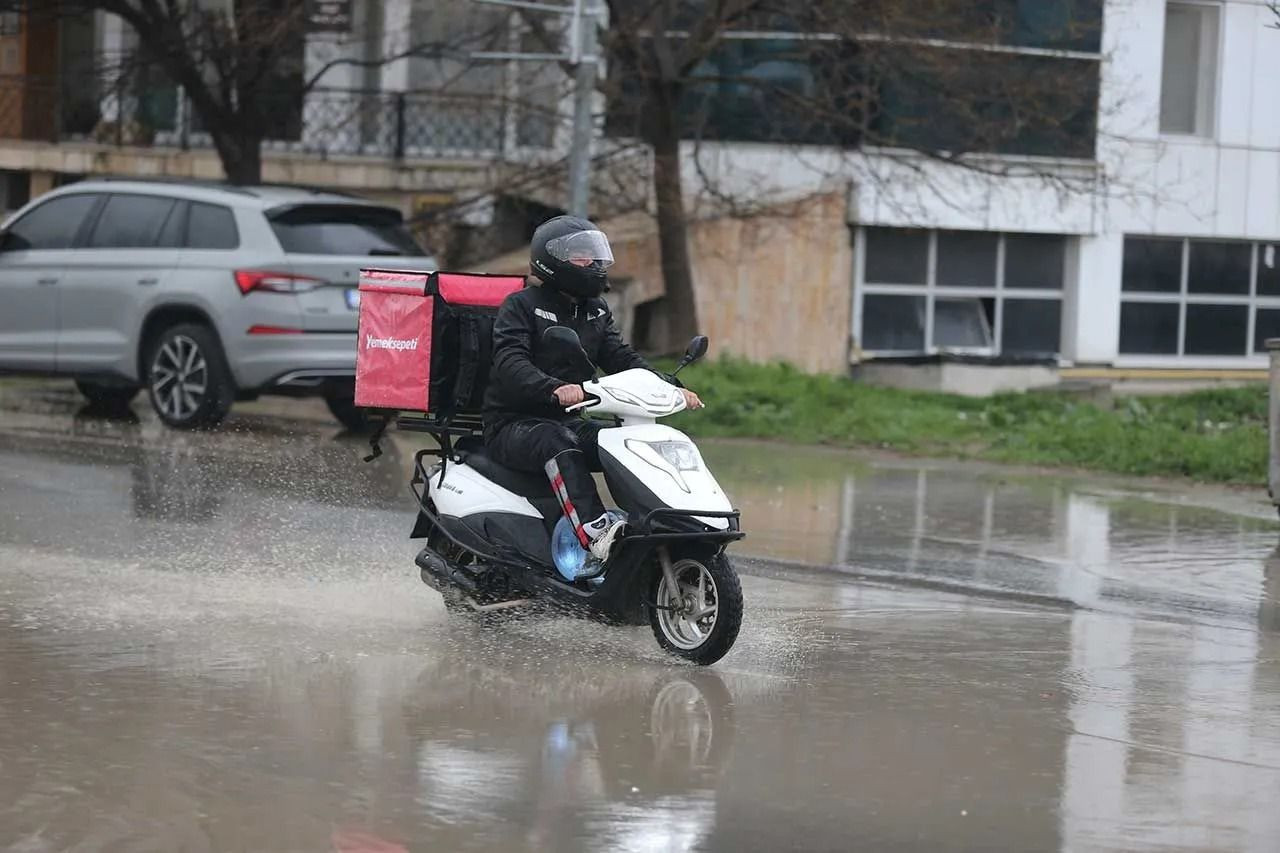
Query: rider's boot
pixel 604 532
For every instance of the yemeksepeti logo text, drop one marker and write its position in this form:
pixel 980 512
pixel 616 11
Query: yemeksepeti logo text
pixel 370 342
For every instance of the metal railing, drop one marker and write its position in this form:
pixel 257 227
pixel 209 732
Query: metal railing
pixel 390 125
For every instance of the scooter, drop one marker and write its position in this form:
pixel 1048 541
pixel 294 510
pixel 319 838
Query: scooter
pixel 496 538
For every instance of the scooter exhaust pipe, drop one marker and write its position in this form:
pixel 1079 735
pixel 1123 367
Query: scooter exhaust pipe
pixel 436 568
pixel 438 572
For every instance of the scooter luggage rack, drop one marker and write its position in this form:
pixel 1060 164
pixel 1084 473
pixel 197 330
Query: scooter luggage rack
pixel 443 430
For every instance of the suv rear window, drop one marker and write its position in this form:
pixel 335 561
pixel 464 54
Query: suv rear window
pixel 342 229
pixel 211 226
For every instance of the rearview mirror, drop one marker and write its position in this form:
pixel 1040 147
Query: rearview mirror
pixel 567 343
pixel 697 349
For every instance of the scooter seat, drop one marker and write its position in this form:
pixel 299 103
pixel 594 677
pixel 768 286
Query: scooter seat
pixel 526 484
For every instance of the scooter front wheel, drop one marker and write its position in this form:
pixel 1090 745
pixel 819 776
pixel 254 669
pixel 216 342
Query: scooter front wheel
pixel 697 617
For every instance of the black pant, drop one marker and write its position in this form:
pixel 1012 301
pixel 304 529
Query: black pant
pixel 530 443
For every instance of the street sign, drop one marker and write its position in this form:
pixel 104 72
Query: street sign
pixel 329 16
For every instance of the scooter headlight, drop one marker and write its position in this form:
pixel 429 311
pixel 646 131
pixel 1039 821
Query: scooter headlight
pixel 670 457
pixel 680 454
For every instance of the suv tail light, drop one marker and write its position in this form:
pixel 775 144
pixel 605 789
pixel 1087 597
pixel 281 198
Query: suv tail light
pixel 275 282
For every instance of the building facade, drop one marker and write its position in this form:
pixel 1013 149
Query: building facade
pixel 385 102
pixel 1154 245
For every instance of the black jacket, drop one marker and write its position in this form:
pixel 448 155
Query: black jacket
pixel 525 372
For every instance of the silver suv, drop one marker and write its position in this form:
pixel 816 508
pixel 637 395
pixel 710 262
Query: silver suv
pixel 202 294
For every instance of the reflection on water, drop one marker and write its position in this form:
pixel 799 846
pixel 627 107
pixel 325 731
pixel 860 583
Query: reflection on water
pixel 217 642
pixel 917 722
pixel 1155 761
pixel 1041 537
pixel 637 759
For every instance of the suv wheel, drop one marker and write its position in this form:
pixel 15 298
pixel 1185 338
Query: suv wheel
pixel 187 377
pixel 107 396
pixel 351 416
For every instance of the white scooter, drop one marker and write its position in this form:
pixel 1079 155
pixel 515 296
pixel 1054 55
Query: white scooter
pixel 496 537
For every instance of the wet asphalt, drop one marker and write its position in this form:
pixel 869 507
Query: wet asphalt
pixel 219 642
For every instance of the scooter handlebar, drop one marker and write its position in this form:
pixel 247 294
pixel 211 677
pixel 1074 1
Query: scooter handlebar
pixel 592 400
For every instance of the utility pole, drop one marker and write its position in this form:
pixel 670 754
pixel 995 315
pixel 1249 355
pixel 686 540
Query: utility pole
pixel 584 57
pixel 584 88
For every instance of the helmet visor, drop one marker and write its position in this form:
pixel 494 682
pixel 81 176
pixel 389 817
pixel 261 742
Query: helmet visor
pixel 582 248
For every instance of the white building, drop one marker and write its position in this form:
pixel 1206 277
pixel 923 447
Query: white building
pixel 1172 260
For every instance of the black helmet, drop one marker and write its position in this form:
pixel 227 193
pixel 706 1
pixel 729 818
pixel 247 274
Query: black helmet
pixel 571 255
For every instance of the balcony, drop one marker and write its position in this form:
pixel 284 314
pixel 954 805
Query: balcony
pixel 390 128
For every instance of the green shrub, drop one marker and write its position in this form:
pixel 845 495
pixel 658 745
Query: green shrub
pixel 1217 435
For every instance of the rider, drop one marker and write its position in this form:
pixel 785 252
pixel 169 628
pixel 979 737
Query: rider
pixel 531 384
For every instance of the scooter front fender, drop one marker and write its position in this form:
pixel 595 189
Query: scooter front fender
pixel 641 478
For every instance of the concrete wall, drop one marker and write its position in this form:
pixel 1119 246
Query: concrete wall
pixel 969 380
pixel 776 286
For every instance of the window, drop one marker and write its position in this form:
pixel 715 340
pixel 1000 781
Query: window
pixel 963 291
pixel 1034 261
pixel 131 222
pixel 1189 80
pixel 893 323
pixel 211 226
pixel 897 256
pixel 344 229
pixel 1269 269
pixel 1219 267
pixel 961 100
pixel 52 225
pixel 1198 297
pixel 1148 328
pixel 10 23
pixel 966 258
pixel 1154 265
pixel 1007 77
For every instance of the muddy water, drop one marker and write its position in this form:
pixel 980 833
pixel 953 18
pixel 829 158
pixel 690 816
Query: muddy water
pixel 218 643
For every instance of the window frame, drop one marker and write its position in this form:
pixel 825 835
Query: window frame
pixel 932 291
pixel 1213 89
pixel 1253 301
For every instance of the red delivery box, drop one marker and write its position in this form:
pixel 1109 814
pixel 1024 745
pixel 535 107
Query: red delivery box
pixel 426 338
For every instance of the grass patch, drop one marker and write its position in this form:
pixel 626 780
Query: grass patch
pixel 1217 435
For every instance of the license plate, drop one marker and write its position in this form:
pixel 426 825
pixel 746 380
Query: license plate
pixel 353 299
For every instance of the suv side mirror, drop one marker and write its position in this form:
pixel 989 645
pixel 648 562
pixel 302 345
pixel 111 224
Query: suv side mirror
pixel 10 242
pixel 697 349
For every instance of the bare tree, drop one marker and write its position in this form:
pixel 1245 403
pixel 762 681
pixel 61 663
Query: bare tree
pixel 926 81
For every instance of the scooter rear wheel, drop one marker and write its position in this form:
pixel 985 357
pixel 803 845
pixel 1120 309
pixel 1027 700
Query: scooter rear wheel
pixel 699 619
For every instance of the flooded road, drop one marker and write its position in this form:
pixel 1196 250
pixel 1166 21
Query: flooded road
pixel 219 642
